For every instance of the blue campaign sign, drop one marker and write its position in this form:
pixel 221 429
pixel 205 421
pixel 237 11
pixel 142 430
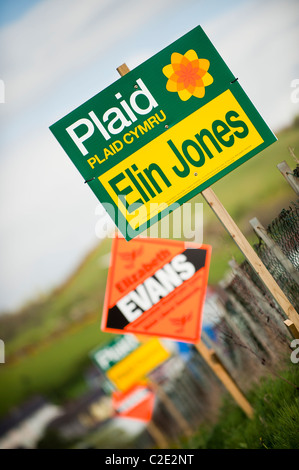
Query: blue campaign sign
pixel 210 331
pixel 185 350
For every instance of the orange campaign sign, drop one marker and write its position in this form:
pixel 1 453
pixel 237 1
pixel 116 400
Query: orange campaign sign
pixel 156 287
pixel 136 403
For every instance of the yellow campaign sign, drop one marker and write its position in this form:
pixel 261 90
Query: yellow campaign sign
pixel 163 133
pixel 190 153
pixel 140 362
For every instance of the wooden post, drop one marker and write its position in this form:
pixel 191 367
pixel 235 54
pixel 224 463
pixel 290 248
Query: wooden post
pixel 276 250
pixel 215 364
pixel 290 325
pixel 157 435
pixel 287 173
pixel 251 255
pixel 123 70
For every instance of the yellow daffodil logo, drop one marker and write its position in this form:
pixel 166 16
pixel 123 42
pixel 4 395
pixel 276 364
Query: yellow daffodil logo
pixel 187 75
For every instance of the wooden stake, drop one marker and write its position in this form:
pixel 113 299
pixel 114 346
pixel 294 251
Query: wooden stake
pixel 290 325
pixel 123 70
pixel 287 173
pixel 157 435
pixel 251 255
pixel 215 364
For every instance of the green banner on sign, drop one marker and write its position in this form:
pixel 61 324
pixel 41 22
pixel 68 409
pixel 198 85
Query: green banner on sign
pixel 111 353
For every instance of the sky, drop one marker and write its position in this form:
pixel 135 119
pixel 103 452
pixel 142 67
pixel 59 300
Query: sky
pixel 56 54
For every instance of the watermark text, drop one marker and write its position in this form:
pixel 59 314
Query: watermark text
pixel 179 222
pixel 295 353
pixel 295 92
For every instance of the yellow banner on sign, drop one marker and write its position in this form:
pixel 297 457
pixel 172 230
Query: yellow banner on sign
pixel 140 362
pixel 185 156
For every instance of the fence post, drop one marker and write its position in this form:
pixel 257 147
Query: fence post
pixel 288 174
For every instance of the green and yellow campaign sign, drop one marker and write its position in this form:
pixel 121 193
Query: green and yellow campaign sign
pixel 125 360
pixel 117 349
pixel 163 133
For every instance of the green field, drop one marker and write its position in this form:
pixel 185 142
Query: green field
pixel 53 366
pixel 46 371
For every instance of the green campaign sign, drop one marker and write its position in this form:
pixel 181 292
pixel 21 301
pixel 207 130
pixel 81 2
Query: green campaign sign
pixel 163 133
pixel 117 349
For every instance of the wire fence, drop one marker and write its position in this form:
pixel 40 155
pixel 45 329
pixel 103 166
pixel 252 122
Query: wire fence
pixel 253 319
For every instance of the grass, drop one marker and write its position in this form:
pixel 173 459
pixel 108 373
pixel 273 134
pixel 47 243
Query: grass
pixel 275 422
